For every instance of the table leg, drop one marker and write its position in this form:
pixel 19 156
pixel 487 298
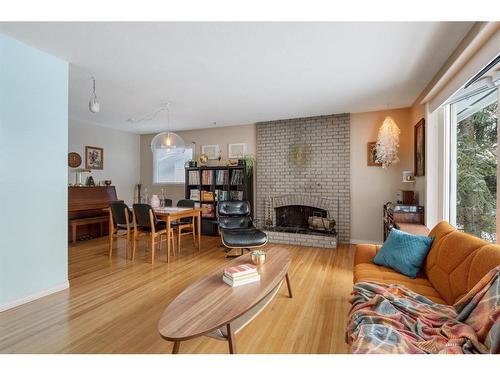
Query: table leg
pixel 175 350
pixel 231 340
pixel 289 285
pixel 198 216
pixel 169 235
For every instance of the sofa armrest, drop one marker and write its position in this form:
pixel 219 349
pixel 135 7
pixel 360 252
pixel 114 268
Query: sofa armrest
pixel 365 253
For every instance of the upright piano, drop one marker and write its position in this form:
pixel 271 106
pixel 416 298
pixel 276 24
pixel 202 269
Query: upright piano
pixel 86 218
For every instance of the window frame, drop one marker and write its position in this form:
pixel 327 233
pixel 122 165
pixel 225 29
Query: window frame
pixel 450 153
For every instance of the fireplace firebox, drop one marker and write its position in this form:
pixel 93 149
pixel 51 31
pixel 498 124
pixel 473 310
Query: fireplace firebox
pixel 297 216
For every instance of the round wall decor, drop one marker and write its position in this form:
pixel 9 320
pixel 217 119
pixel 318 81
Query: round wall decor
pixel 74 160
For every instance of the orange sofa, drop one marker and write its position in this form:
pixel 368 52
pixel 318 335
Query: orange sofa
pixel 455 263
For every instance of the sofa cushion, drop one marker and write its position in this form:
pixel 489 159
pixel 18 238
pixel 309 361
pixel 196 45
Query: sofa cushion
pixel 403 252
pixel 457 261
pixel 366 272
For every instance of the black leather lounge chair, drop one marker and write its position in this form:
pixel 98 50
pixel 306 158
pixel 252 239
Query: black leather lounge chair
pixel 236 227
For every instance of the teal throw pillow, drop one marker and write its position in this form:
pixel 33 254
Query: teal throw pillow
pixel 404 252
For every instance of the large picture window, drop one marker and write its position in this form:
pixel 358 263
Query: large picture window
pixel 169 168
pixel 473 170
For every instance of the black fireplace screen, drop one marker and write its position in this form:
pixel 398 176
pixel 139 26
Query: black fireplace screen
pixel 297 216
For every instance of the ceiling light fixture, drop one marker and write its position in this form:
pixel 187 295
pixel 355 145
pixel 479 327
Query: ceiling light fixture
pixel 94 105
pixel 167 142
pixel 388 143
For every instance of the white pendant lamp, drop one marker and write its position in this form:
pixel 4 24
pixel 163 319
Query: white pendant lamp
pixel 94 105
pixel 168 142
pixel 388 143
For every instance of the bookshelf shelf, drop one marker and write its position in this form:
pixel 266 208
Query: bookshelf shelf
pixel 220 183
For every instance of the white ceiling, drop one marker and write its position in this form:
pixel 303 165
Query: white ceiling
pixel 240 73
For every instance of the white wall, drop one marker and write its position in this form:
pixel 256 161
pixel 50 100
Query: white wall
pixel 33 192
pixel 121 156
pixel 371 187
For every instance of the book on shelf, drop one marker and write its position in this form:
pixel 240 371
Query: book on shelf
pixel 207 210
pixel 221 177
pixel 236 195
pixel 193 178
pixel 207 196
pixel 235 283
pixel 237 177
pixel 194 194
pixel 221 195
pixel 207 177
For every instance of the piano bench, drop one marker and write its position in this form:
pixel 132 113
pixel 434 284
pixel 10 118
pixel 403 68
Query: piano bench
pixel 84 221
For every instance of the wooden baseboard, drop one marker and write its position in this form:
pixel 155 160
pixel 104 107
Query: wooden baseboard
pixel 22 301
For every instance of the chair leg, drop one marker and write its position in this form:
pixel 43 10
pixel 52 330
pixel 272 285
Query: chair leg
pixel 152 249
pixel 134 245
pixel 127 247
pixel 194 235
pixel 110 244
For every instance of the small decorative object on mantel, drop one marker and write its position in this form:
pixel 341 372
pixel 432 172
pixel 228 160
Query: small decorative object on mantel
pixel 90 181
pixel 192 163
pixel 107 182
pixel 388 143
pixel 408 176
pixel 419 148
pixel 94 157
pixel 74 160
pixel 371 152
pixel 258 257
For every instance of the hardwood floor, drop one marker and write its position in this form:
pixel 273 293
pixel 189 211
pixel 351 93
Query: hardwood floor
pixel 113 305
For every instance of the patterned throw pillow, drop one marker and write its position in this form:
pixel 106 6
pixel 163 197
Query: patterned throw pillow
pixel 404 252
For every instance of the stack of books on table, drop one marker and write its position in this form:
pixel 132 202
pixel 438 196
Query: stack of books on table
pixel 240 275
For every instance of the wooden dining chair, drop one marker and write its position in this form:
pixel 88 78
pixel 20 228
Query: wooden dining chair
pixel 185 226
pixel 146 224
pixel 120 224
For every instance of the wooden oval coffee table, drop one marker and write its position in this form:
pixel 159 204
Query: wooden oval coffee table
pixel 210 305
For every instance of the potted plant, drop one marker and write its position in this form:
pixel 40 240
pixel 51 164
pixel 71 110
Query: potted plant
pixel 191 163
pixel 248 161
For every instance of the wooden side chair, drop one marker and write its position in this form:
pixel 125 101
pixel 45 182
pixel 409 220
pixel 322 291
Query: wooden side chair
pixel 185 226
pixel 120 224
pixel 146 224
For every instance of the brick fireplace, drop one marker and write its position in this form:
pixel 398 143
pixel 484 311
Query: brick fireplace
pixel 303 170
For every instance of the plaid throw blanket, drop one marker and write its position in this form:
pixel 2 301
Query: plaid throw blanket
pixel 393 319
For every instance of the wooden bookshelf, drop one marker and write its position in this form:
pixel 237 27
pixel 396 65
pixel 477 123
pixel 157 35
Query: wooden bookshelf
pixel 237 181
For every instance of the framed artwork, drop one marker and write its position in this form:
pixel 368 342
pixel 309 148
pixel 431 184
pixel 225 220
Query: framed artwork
pixel 212 151
pixel 236 150
pixel 371 152
pixel 94 157
pixel 419 148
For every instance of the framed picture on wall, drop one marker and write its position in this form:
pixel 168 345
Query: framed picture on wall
pixel 371 154
pixel 419 148
pixel 212 151
pixel 236 150
pixel 94 157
